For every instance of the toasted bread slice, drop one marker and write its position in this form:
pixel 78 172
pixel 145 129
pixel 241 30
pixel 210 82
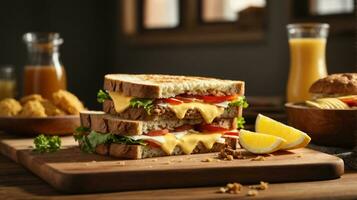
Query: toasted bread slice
pixel 164 86
pixel 164 113
pixel 106 123
pixel 139 152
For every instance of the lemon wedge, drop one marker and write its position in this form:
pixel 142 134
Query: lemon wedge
pixel 260 143
pixel 294 137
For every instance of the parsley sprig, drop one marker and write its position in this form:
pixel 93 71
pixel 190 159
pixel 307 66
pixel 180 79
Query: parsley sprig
pixel 45 144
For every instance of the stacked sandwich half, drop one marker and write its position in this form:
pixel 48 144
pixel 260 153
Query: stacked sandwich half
pixel 159 115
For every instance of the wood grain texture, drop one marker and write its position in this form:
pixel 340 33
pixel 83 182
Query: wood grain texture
pixel 18 183
pixel 72 171
pixel 326 127
pixel 32 126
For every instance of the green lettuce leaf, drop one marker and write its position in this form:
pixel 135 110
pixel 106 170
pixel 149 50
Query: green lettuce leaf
pixel 147 104
pixel 242 101
pixel 240 122
pixel 93 139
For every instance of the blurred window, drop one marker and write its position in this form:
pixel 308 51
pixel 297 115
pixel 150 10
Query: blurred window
pixel 227 10
pixel 338 13
pixel 159 14
pixel 329 7
pixel 193 21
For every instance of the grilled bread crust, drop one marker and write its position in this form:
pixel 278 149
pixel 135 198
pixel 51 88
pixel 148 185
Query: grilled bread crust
pixel 106 123
pixel 124 151
pixel 164 86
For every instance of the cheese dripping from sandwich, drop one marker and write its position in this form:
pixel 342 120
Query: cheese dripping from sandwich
pixel 186 140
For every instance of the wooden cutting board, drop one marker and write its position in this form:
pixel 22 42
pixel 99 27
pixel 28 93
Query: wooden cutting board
pixel 72 171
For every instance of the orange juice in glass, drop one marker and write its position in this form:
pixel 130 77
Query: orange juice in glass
pixel 307 58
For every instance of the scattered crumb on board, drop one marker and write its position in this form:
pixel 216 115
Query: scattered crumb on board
pixel 121 163
pixel 230 154
pixel 207 160
pixel 235 188
pixel 258 158
pixel 231 188
pixel 262 186
pixel 252 193
pixel 299 155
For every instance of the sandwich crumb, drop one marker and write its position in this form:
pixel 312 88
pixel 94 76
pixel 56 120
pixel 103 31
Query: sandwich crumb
pixel 207 160
pixel 258 158
pixel 262 186
pixel 230 154
pixel 229 157
pixel 299 155
pixel 167 163
pixel 222 190
pixel 252 193
pixel 235 188
pixel 122 163
pixel 231 188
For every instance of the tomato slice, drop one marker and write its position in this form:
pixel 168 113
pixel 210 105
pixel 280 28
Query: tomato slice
pixel 158 132
pixel 152 144
pixel 350 101
pixel 173 101
pixel 218 99
pixel 233 133
pixel 185 99
pixel 184 128
pixel 211 128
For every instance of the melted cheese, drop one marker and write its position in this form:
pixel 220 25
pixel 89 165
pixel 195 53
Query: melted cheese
pixel 170 143
pixel 209 112
pixel 120 101
pixel 189 142
pixel 186 141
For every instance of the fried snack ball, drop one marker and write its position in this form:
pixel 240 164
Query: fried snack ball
pixel 68 102
pixel 33 108
pixel 9 107
pixel 51 109
pixel 32 97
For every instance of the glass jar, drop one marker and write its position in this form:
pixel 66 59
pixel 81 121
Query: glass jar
pixel 43 74
pixel 7 82
pixel 307 43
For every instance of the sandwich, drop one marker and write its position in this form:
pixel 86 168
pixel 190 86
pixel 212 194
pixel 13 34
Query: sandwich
pixel 159 115
pixel 336 91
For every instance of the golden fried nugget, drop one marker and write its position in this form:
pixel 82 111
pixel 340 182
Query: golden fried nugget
pixel 32 97
pixel 67 102
pixel 51 109
pixel 9 107
pixel 33 108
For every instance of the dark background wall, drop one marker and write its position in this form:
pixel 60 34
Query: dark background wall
pixel 87 26
pixel 93 47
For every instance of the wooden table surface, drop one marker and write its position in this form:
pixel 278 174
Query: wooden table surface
pixel 18 183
